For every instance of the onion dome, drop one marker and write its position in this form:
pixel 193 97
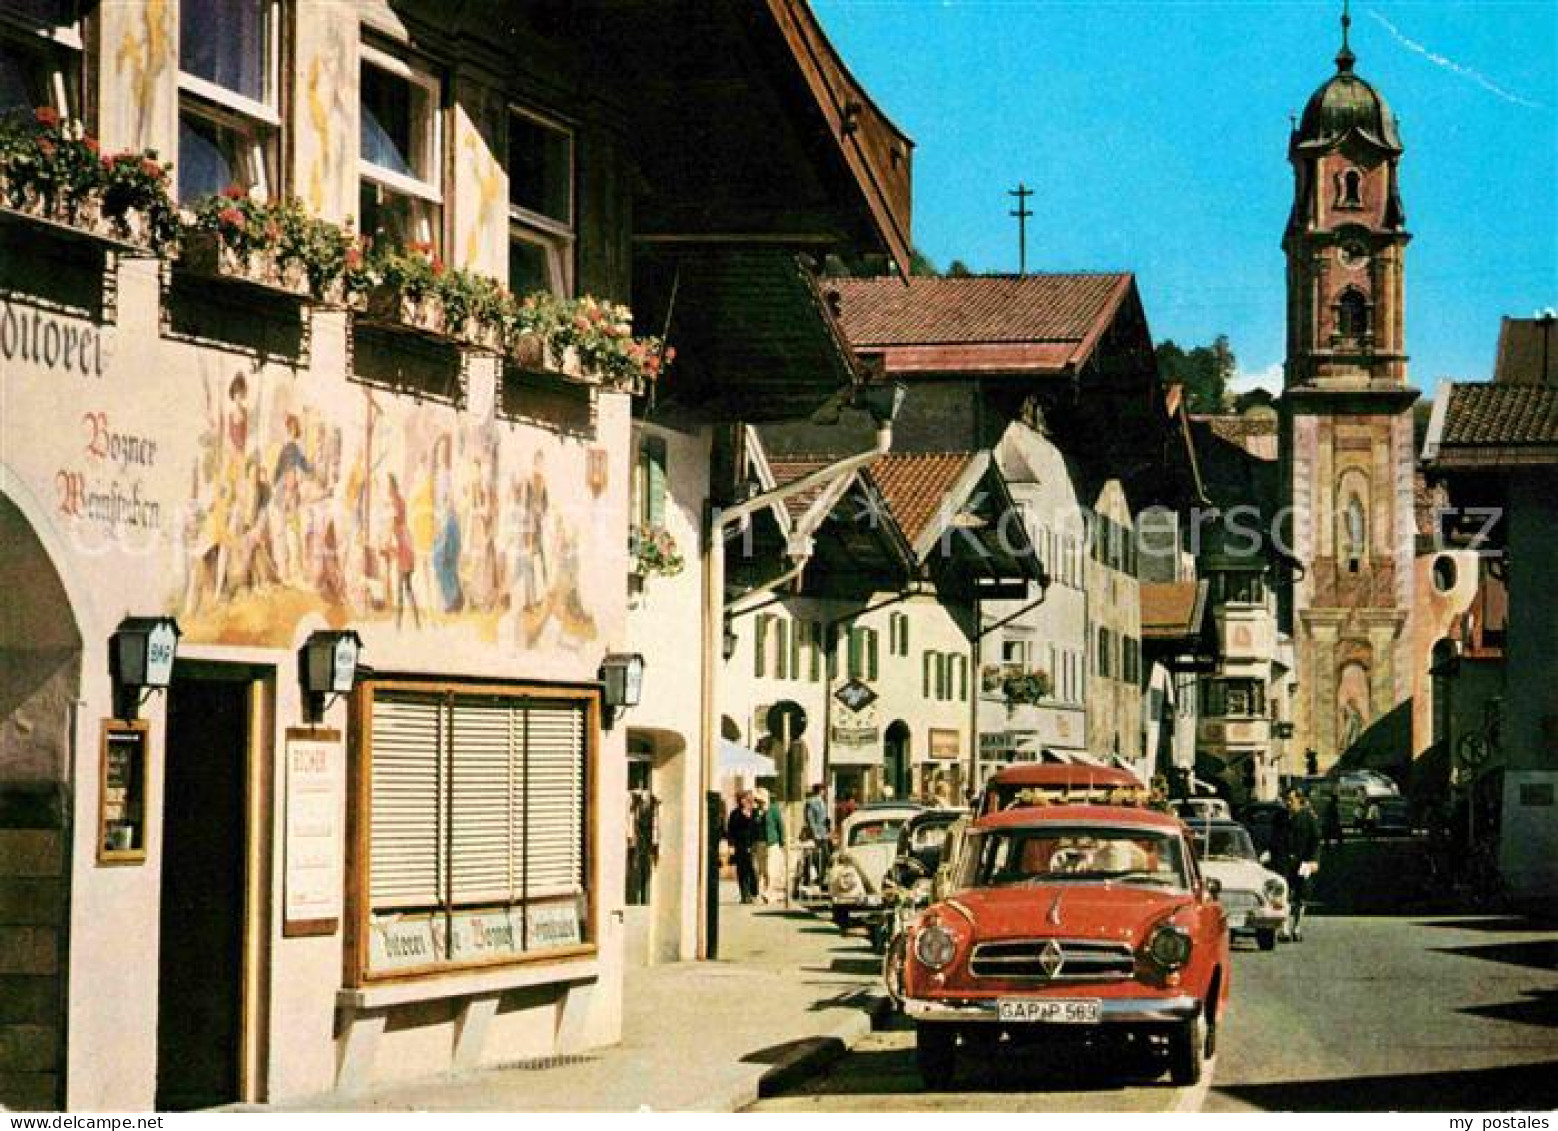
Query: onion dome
pixel 1344 103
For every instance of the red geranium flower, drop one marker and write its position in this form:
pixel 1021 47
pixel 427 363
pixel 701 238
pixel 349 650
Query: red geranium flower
pixel 235 191
pixel 47 116
pixel 90 143
pixel 231 217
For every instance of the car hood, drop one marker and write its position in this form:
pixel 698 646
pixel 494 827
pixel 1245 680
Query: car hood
pixel 1237 875
pixel 870 860
pixel 1077 911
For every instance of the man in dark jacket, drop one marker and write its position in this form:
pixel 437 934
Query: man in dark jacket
pixel 743 831
pixel 1298 857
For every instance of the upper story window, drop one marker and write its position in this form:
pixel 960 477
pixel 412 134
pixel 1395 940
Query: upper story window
pixel 1242 586
pixel 1349 189
pixel 541 205
pixel 40 57
pixel 229 97
pixel 1352 315
pixel 1239 698
pixel 402 151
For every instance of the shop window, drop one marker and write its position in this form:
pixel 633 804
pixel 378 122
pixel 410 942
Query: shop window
pixel 40 57
pixel 478 813
pixel 401 151
pixel 541 205
pixel 229 112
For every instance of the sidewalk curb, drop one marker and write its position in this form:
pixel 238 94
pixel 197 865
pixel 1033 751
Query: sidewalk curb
pixel 810 1058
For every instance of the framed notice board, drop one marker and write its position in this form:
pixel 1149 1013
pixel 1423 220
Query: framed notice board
pixel 121 793
pixel 315 846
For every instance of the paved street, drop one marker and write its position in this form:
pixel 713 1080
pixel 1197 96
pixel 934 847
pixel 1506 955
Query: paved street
pixel 1391 1010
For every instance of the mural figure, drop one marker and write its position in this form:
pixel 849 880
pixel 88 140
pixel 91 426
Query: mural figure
pixel 446 538
pixel 408 509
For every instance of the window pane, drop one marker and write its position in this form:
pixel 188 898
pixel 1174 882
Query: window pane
pixel 540 169
pixel 209 158
pixel 396 124
pixel 24 80
pixel 395 220
pixel 57 13
pixel 224 41
pixel 530 267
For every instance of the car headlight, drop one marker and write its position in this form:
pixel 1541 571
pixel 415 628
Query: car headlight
pixel 1169 947
pixel 848 880
pixel 1276 890
pixel 935 946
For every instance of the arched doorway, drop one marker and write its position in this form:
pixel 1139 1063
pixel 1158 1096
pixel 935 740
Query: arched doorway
pixel 898 768
pixel 40 681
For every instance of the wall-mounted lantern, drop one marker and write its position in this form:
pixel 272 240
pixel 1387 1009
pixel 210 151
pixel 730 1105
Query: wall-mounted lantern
pixel 327 667
pixel 140 660
pixel 622 680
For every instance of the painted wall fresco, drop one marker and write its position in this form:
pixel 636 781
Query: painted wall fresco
pixel 401 512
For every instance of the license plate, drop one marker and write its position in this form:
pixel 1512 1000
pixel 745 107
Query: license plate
pixel 1051 1011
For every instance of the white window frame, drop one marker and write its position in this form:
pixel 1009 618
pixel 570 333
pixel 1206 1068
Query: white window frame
pixel 55 39
pixel 260 121
pixel 558 240
pixel 427 192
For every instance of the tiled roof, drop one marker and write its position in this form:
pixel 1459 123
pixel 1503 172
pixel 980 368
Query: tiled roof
pixel 1169 609
pixel 787 469
pixel 1499 425
pixel 984 309
pixel 915 485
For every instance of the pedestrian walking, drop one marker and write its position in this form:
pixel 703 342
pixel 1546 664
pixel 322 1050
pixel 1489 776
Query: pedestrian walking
pixel 743 833
pixel 818 831
pixel 772 863
pixel 1298 858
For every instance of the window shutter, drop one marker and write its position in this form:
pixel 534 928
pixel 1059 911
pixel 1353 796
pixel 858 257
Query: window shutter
pixel 405 848
pixel 781 648
pixel 760 646
pixel 872 639
pixel 856 647
pixel 486 801
pixel 963 678
pixel 653 449
pixel 554 780
pixel 797 630
pixel 817 644
pixel 929 658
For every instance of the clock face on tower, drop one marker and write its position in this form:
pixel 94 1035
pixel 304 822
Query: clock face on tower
pixel 1353 255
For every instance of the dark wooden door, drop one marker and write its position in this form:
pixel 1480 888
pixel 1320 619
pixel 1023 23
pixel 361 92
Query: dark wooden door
pixel 200 977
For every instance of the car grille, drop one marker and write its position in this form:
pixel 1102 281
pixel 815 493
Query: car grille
pixel 1079 959
pixel 1239 900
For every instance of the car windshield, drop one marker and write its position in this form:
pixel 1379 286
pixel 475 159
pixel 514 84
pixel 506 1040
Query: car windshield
pixel 876 831
pixel 1227 842
pixel 927 837
pixel 1083 854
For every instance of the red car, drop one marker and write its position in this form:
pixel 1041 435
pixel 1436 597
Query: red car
pixel 1070 922
pixel 1049 783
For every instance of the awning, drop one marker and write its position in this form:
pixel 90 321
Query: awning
pixel 737 759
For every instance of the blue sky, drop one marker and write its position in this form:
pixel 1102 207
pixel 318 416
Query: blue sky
pixel 1155 137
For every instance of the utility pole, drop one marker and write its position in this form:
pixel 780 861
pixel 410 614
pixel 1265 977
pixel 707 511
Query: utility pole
pixel 1022 192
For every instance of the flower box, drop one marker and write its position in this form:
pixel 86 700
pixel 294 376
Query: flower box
pixel 426 314
pixel 207 253
pixel 535 353
pixel 82 217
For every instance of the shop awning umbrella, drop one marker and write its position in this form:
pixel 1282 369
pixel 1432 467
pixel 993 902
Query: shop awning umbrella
pixel 737 759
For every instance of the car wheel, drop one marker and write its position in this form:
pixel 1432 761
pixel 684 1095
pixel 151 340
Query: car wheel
pixel 1267 938
pixel 1187 1052
pixel 935 1054
pixel 843 920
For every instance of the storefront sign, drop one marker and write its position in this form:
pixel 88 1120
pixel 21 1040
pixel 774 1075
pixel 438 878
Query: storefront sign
pixel 486 933
pixel 856 736
pixel 554 924
pixel 315 784
pixel 405 942
pixel 945 744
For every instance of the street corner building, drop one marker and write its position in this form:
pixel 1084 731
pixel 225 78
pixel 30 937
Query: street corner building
pixel 319 459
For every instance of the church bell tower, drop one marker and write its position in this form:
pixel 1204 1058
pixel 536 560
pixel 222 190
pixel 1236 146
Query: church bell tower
pixel 1347 438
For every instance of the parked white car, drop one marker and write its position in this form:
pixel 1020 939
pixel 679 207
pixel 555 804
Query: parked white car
pixel 868 841
pixel 1254 897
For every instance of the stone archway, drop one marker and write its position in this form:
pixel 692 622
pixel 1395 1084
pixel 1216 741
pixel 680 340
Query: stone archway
pixel 40 682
